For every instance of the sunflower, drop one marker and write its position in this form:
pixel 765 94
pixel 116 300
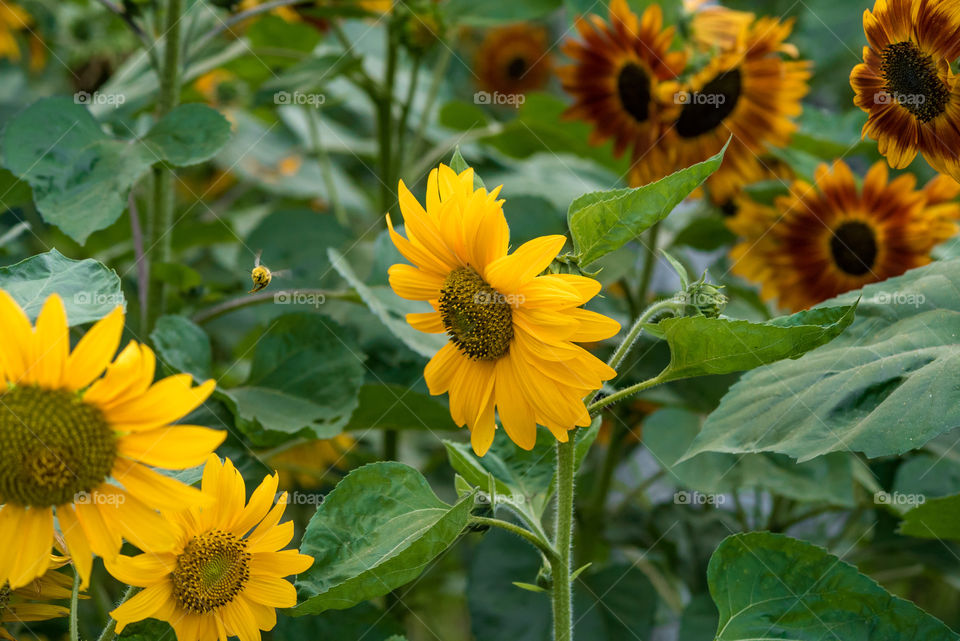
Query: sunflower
pixel 511 332
pixel 307 464
pixel 618 76
pixel 513 60
pixel 15 20
pixel 66 431
pixel 820 241
pixel 715 26
pixel 906 85
pixel 30 602
pixel 225 575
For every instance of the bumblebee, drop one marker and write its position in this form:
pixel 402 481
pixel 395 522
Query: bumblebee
pixel 261 275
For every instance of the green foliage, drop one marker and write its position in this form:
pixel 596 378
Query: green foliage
pixel 396 407
pixel 378 530
pixel 603 222
pixel 89 289
pixel 771 586
pixel 937 518
pixel 183 346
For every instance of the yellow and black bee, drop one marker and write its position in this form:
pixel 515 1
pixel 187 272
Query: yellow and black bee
pixel 261 275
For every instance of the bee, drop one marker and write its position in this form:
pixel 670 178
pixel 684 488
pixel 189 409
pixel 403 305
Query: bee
pixel 261 274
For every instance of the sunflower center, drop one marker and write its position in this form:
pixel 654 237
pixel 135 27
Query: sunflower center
pixel 516 68
pixel 5 593
pixel 211 571
pixel 633 87
pixel 912 80
pixel 478 318
pixel 854 248
pixel 707 108
pixel 53 446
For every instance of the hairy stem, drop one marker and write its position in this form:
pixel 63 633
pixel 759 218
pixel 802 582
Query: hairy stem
pixel 563 532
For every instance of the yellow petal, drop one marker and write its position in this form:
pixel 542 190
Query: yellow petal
pixel 34 540
pixel 137 522
pixel 16 355
pixel 272 591
pixel 260 503
pixel 94 351
pixel 141 570
pixel 239 621
pixel 507 274
pixel 144 604
pixel 51 345
pixel 77 545
pixel 165 402
pixel 284 563
pixel 156 489
pixel 175 448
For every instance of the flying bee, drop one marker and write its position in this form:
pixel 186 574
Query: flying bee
pixel 261 274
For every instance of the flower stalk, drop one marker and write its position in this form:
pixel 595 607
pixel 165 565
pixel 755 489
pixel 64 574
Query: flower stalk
pixel 562 594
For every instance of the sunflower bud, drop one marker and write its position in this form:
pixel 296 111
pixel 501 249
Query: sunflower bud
pixel 705 299
pixel 421 29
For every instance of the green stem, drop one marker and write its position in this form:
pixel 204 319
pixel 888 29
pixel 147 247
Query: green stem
pixel 563 531
pixel 74 603
pixel 624 348
pixel 163 195
pixel 109 631
pixel 405 112
pixel 538 542
pixel 385 123
pixel 618 396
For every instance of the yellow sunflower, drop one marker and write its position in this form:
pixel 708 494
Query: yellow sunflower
pixel 713 25
pixel 15 20
pixel 820 241
pixel 617 76
pixel 225 575
pixel 750 93
pixel 906 84
pixel 30 602
pixel 514 59
pixel 70 437
pixel 512 331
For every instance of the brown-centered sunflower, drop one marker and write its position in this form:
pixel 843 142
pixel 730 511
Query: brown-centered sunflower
pixel 820 241
pixel 225 575
pixel 72 435
pixel 618 75
pixel 906 85
pixel 512 332
pixel 748 95
pixel 513 59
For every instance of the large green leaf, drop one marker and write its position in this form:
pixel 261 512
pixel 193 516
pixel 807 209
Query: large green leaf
pixel 377 530
pixel 89 289
pixel 306 375
pixel 669 432
pixel 80 175
pixel 395 407
pixel 937 518
pixel 183 346
pixel 391 309
pixel 700 346
pixel 887 385
pixel 604 221
pixel 769 586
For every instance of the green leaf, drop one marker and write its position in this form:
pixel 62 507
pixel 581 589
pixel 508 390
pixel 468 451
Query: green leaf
pixel 363 621
pixel 492 12
pixel 396 407
pixel 604 221
pixel 459 165
pixel 462 116
pixel 188 135
pixel 183 346
pixel 701 346
pixel 89 289
pixel 887 385
pixel 306 375
pixel 769 586
pixel 147 630
pixel 81 176
pixel 306 77
pixel 13 191
pixel 669 432
pixel 391 309
pixel 377 530
pixel 937 518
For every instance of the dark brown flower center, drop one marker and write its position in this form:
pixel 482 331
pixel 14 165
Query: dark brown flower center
pixel 478 318
pixel 854 248
pixel 912 81
pixel 211 571
pixel 517 68
pixel 5 593
pixel 633 87
pixel 53 447
pixel 706 109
